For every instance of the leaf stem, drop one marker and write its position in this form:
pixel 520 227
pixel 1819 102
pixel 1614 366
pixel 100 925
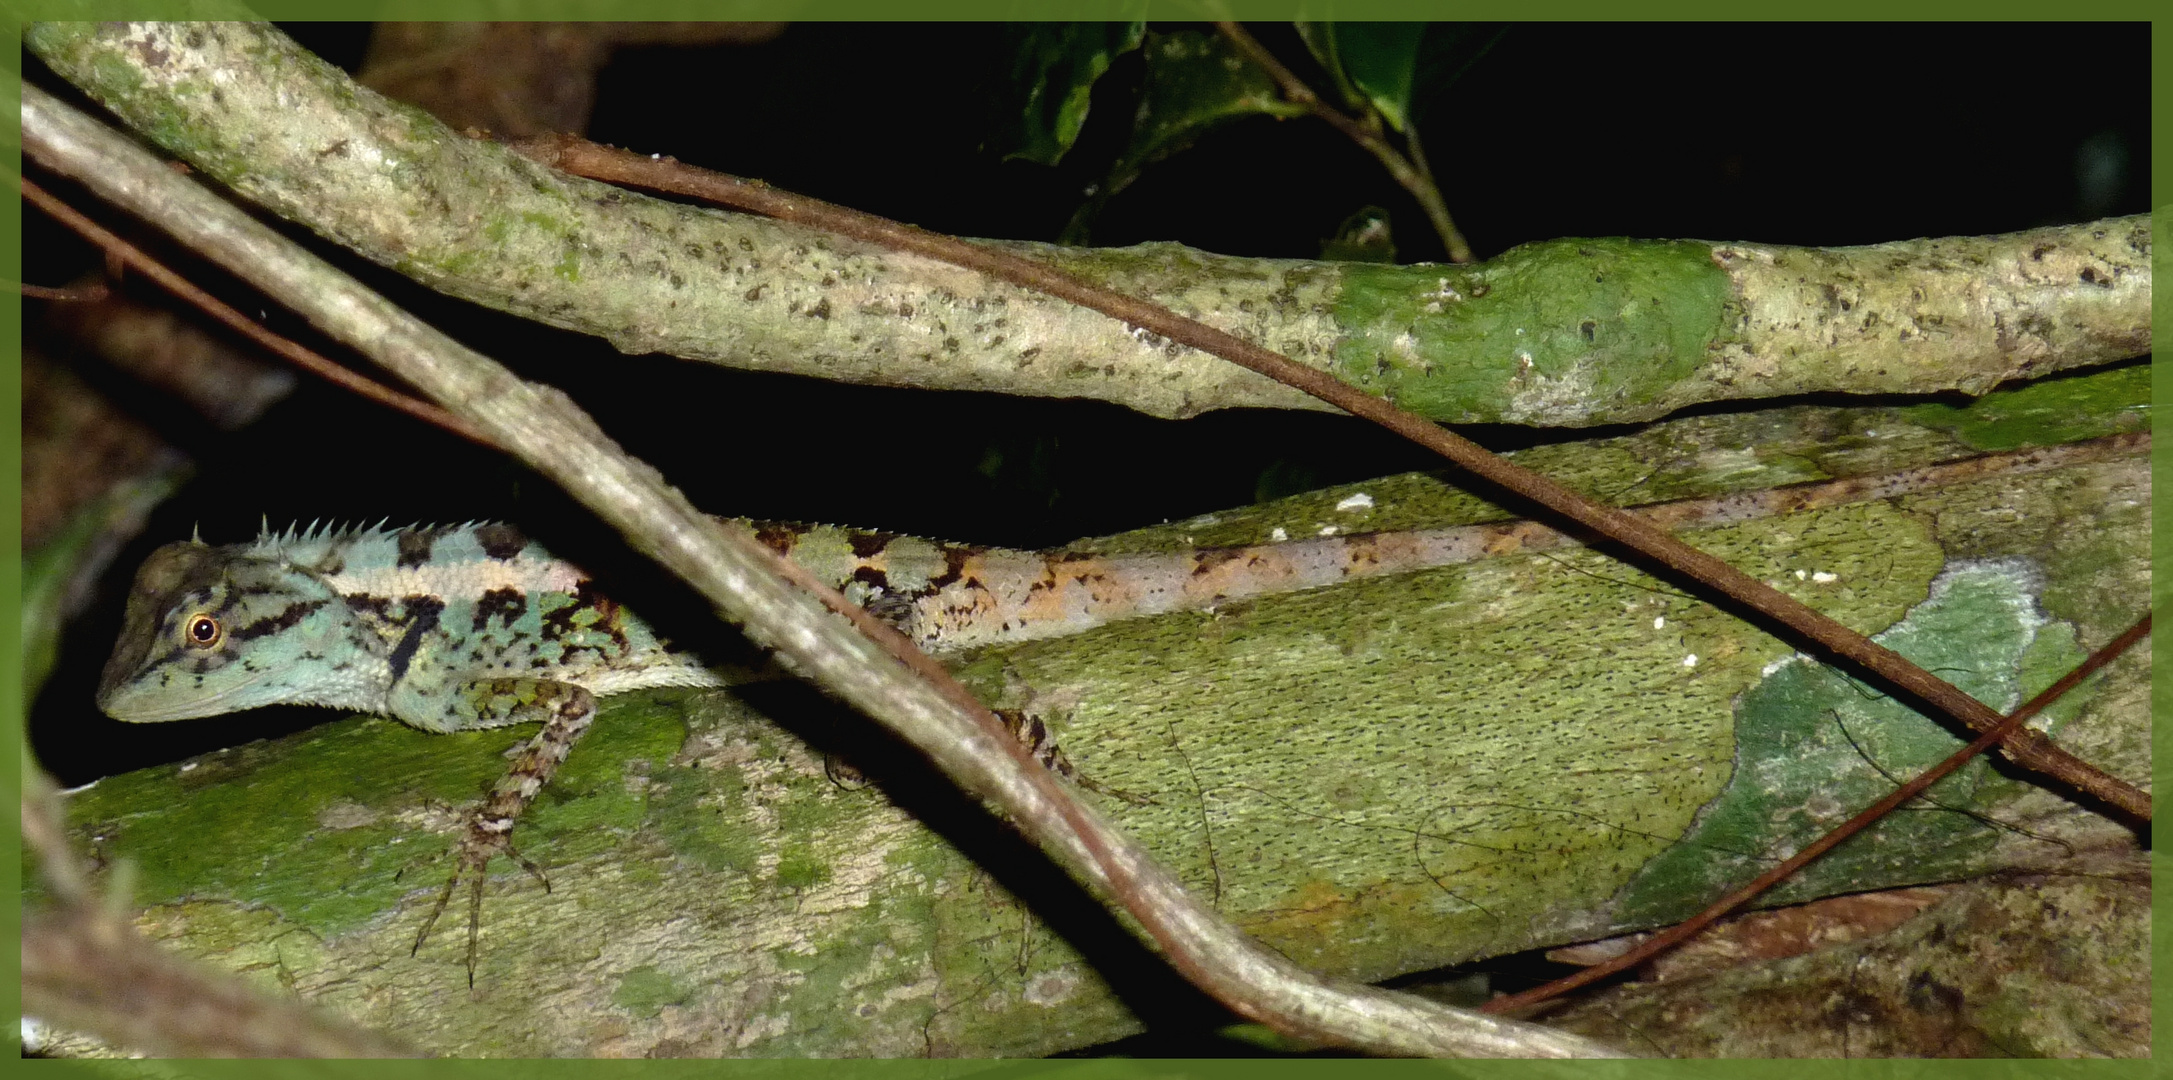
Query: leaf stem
pixel 1410 173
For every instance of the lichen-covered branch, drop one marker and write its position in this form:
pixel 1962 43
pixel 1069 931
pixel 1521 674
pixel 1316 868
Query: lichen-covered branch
pixel 1566 332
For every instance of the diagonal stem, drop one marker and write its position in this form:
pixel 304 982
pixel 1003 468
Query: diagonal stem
pixel 130 255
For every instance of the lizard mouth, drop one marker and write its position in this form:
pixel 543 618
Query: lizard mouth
pixel 132 706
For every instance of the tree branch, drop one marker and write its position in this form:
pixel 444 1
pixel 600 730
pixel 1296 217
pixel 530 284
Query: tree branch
pixel 1538 335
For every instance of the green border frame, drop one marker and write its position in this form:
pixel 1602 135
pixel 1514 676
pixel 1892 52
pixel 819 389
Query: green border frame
pixel 14 12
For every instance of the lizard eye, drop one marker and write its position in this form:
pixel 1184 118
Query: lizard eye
pixel 202 631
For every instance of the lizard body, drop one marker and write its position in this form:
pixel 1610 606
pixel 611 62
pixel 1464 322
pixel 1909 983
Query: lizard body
pixel 397 621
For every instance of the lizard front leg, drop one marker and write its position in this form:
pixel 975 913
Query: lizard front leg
pixel 566 711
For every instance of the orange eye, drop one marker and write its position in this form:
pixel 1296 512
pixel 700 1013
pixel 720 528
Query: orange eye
pixel 202 631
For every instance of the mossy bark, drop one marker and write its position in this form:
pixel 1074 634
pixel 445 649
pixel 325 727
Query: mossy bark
pixel 1565 332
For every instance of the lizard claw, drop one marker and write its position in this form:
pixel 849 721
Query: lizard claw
pixel 473 855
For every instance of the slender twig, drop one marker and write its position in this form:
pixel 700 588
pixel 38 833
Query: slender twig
pixel 2023 745
pixel 129 255
pixel 1409 172
pixel 733 570
pixel 1684 931
pixel 74 294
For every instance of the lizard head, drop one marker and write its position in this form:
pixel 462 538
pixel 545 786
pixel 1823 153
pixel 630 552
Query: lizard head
pixel 209 630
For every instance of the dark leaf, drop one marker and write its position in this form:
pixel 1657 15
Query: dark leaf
pixel 1194 82
pixel 1041 106
pixel 1374 64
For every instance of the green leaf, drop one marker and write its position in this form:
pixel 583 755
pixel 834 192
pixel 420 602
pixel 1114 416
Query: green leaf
pixel 1374 64
pixel 1194 82
pixel 1053 70
pixel 1320 40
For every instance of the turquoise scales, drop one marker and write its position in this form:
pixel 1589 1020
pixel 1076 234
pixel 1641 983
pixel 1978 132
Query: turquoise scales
pixel 472 626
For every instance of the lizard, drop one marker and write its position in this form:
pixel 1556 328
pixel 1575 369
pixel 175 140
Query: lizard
pixel 455 628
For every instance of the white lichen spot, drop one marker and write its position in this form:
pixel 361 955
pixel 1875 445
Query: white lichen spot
pixel 1051 988
pixel 346 814
pixel 1278 534
pixel 1800 575
pixel 1767 671
pixel 188 766
pixel 1659 622
pixel 1824 578
pixel 1405 345
pixel 1328 530
pixel 758 1028
pixel 1520 331
pixel 1360 501
pixel 1690 660
pixel 1524 361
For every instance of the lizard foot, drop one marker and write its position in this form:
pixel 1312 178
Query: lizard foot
pixel 485 838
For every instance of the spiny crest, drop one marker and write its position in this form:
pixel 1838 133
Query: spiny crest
pixel 323 533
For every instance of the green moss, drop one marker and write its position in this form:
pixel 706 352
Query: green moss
pixel 1553 332
pixel 802 870
pixel 695 824
pixel 851 971
pixel 645 990
pixel 293 835
pixel 1813 747
pixel 297 836
pixel 568 267
pixel 803 817
pixel 601 794
pixel 2061 409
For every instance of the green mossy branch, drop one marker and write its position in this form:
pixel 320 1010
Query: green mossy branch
pixel 1567 332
